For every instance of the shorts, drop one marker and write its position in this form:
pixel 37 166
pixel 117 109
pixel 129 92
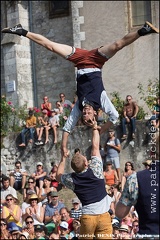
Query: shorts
pixel 17 185
pixel 115 161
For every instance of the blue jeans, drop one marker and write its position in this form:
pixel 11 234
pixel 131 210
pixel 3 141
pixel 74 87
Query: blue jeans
pixel 132 122
pixel 25 130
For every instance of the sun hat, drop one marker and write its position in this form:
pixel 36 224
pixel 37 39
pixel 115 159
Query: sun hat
pixel 147 162
pixel 53 194
pixel 64 224
pixel 39 163
pixel 75 200
pixel 33 196
pixel 26 234
pixel 124 228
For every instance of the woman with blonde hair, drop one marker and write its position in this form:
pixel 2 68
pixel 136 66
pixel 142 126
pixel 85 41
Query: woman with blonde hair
pixel 12 211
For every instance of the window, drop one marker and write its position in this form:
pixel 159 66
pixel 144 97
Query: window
pixel 58 8
pixel 140 12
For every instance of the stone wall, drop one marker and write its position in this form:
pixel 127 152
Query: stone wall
pixel 136 151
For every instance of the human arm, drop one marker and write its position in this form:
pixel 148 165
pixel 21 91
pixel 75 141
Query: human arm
pixel 15 215
pixel 123 182
pixel 128 198
pixel 40 217
pixel 95 140
pixel 116 176
pixel 60 170
pixel 40 175
pixel 135 110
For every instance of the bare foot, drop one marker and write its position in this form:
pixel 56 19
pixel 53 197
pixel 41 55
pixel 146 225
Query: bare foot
pixel 22 145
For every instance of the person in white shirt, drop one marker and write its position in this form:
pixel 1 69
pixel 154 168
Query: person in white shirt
pixel 18 176
pixel 7 189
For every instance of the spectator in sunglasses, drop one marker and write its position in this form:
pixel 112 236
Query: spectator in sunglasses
pixel 12 211
pixel 18 177
pixel 29 227
pixel 4 233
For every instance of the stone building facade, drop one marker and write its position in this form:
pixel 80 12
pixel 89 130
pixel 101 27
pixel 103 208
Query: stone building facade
pixel 29 71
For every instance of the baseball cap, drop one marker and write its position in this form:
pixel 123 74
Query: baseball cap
pixel 39 163
pixel 39 228
pixel 75 200
pixel 53 194
pixel 64 224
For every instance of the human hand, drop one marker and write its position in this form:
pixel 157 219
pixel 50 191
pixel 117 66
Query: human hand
pixel 91 123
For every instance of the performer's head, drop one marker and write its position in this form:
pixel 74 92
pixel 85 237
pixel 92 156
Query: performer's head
pixel 79 163
pixel 88 113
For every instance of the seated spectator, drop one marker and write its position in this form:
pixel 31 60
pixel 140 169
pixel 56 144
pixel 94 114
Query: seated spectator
pixel 59 108
pixel 112 149
pixel 18 177
pixel 35 210
pixel 12 211
pixel 76 211
pixel 76 230
pixel 54 236
pixel 26 204
pixel 64 102
pixel 31 186
pixel 4 233
pixel 47 188
pixel 110 176
pixel 130 112
pixel 54 182
pixel 53 124
pixel 46 105
pixel 63 230
pixel 124 232
pixel 65 216
pixel 6 189
pixel 135 228
pixel 42 125
pixel 29 227
pixel 39 175
pixel 14 230
pixel 2 176
pixel 30 127
pixel 127 220
pixel 115 231
pixel 39 231
pixel 116 193
pixel 52 207
pixel 129 169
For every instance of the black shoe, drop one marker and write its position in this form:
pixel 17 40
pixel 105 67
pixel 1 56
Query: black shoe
pixel 17 29
pixel 148 28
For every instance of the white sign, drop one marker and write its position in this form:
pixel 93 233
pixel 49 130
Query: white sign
pixel 11 86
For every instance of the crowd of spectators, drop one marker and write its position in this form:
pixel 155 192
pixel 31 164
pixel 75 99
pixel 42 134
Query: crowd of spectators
pixel 42 215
